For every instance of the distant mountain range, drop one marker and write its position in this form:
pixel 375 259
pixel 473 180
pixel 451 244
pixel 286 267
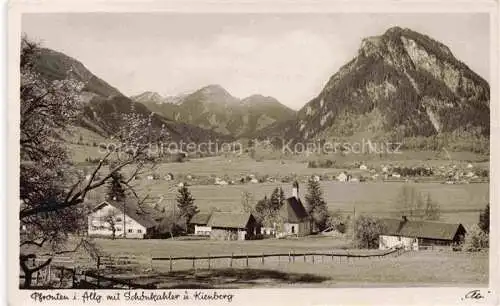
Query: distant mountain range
pixel 105 103
pixel 400 84
pixel 212 107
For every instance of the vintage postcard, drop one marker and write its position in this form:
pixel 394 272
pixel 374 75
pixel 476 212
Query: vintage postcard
pixel 290 153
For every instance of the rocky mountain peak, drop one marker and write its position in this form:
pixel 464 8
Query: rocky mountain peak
pixel 400 84
pixel 148 96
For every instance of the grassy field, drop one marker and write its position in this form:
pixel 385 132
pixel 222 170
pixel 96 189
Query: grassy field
pixel 377 198
pixel 458 203
pixel 178 248
pixel 423 268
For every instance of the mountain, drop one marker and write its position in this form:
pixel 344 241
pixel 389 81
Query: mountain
pixel 148 96
pixel 400 84
pixel 105 104
pixel 213 107
pixel 156 98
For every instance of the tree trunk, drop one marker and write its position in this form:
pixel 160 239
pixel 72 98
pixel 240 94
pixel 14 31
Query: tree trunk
pixel 28 278
pixel 28 272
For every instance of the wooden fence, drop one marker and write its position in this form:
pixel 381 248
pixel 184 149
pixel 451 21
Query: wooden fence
pixel 63 273
pixel 290 257
pixel 59 273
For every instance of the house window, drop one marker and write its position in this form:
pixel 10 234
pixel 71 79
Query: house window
pixel 139 231
pixel 293 229
pixel 118 219
pixel 130 230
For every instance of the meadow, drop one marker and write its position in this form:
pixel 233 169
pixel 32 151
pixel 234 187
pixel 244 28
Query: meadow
pixel 422 268
pixel 180 248
pixel 457 202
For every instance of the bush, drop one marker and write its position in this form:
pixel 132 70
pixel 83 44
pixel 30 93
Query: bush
pixel 338 222
pixel 475 240
pixel 322 163
pixel 367 231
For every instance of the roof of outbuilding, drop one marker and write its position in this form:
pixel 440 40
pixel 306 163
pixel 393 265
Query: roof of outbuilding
pixel 421 229
pixel 229 219
pixel 200 219
pixel 144 215
pixel 293 210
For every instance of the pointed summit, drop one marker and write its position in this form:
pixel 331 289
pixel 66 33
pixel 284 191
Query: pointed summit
pixel 401 84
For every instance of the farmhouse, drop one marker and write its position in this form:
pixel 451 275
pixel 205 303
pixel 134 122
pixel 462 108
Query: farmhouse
pixel 199 225
pixel 232 226
pixel 343 177
pixel 127 219
pixel 296 220
pixel 419 234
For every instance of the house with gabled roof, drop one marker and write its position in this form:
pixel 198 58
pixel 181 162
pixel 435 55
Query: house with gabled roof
pixel 232 226
pixel 416 234
pixel 124 219
pixel 295 219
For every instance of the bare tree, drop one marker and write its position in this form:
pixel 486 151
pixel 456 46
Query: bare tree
pixel 410 202
pixel 111 219
pixel 432 211
pixel 247 200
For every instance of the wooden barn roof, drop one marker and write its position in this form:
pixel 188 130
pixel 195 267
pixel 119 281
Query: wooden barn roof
pixel 200 219
pixel 144 215
pixel 421 229
pixel 293 210
pixel 229 219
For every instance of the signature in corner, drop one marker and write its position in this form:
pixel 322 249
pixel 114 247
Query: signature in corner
pixel 474 295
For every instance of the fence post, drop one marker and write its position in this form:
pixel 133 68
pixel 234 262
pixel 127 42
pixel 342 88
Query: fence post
pixel 74 278
pixel 98 267
pixel 313 258
pixel 262 258
pixel 170 263
pixel 231 261
pixel 304 257
pixel 47 273
pixel 247 260
pixel 209 261
pixel 62 277
pixel 193 262
pixel 293 255
pixel 289 257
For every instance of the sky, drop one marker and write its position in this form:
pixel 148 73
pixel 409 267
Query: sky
pixel 286 56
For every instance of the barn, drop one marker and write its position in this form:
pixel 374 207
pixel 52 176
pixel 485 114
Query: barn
pixel 232 226
pixel 199 224
pixel 127 219
pixel 415 235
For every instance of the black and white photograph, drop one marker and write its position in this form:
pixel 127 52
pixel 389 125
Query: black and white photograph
pixel 252 150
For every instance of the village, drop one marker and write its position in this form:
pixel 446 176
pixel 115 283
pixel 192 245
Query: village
pixel 112 219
